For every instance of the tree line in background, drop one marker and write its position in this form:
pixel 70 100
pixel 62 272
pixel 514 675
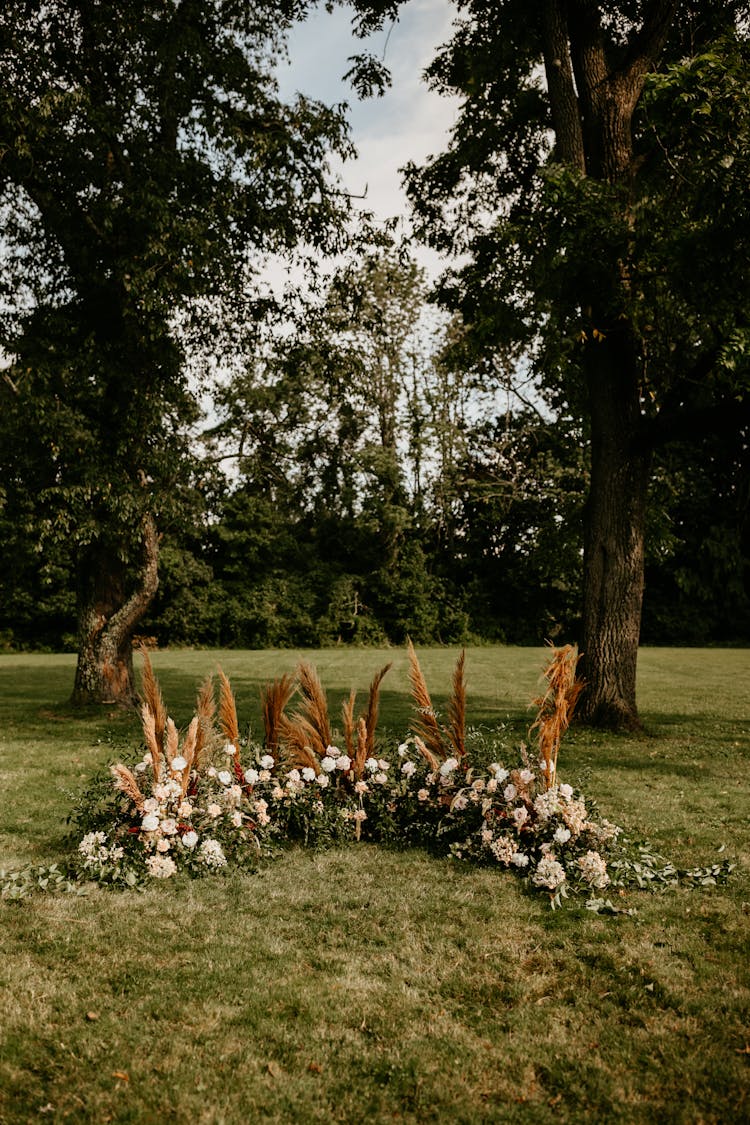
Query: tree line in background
pixel 570 431
pixel 359 485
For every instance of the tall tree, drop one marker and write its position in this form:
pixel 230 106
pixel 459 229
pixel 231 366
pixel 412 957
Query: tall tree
pixel 147 165
pixel 597 182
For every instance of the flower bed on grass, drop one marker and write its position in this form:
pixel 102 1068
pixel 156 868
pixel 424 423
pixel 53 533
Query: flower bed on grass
pixel 210 800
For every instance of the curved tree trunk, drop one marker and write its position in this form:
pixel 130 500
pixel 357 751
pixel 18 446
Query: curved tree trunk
pixel 614 534
pixel 107 616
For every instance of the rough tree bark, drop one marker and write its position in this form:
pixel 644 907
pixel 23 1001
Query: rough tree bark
pixel 598 142
pixel 111 602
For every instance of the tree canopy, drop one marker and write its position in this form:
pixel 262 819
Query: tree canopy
pixel 148 165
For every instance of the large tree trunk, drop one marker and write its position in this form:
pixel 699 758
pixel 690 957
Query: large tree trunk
pixel 111 602
pixel 614 534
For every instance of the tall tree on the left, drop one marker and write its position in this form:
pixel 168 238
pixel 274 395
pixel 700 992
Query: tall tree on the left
pixel 147 164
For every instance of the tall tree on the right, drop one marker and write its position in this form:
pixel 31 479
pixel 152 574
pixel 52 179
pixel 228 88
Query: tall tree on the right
pixel 597 183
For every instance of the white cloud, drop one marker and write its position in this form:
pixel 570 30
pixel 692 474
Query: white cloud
pixel 410 122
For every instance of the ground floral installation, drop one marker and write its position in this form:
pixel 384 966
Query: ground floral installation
pixel 210 801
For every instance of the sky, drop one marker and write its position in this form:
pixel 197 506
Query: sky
pixel 409 122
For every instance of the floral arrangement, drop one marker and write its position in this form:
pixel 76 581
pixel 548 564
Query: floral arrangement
pixel 208 801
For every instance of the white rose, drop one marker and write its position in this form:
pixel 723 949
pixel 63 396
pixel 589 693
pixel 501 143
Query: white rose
pixel 308 774
pixel 225 777
pixel 178 763
pixel 448 766
pixel 408 768
pixel 251 776
pixel 190 839
pixel 150 822
pixel 343 762
pixel 328 764
pixel 267 762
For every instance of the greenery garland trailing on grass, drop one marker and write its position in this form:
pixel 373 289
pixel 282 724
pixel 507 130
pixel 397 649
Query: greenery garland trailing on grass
pixel 208 801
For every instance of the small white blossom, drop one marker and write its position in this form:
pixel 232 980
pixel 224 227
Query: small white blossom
pixel 308 773
pixel 150 822
pixel 151 805
pixel 448 766
pixel 163 845
pixel 328 764
pixel 236 818
pixel 343 762
pixel 403 749
pixel 361 787
pixel 225 777
pixel 566 791
pixel 510 792
pixel 381 778
pixel 371 765
pixel 178 763
pixel 519 859
pixel 561 836
pixel 264 775
pixel 160 866
pixel 526 776
pixel 211 771
pixel 492 785
pixel 140 767
pixel 322 780
pixel 169 826
pixel 294 775
pixel 408 768
pixel 213 810
pixel 549 873
pixel 423 795
pixel 593 870
pixel 267 762
pixel 520 816
pixel 230 748
pixel 185 810
pixel 190 839
pixel 212 854
pixel 383 765
pixel 460 802
pixel 251 776
pixel 500 774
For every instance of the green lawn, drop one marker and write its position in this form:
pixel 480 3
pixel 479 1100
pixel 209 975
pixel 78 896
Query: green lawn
pixel 369 985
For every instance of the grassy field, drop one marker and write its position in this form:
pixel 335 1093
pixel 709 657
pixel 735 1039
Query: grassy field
pixel 370 985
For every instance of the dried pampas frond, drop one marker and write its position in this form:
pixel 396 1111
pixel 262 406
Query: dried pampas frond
pixel 126 783
pixel 228 722
pixel 425 725
pixel 347 716
pixel 313 719
pixel 152 697
pixel 373 704
pixel 274 698
pixel 362 753
pixel 296 750
pixel 172 742
pixel 429 757
pixel 456 729
pixel 189 751
pixel 152 742
pixel 556 706
pixel 205 711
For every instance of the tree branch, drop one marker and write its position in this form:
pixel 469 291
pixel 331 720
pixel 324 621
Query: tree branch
pixel 566 114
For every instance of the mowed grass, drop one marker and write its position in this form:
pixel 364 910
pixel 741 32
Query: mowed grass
pixel 363 984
